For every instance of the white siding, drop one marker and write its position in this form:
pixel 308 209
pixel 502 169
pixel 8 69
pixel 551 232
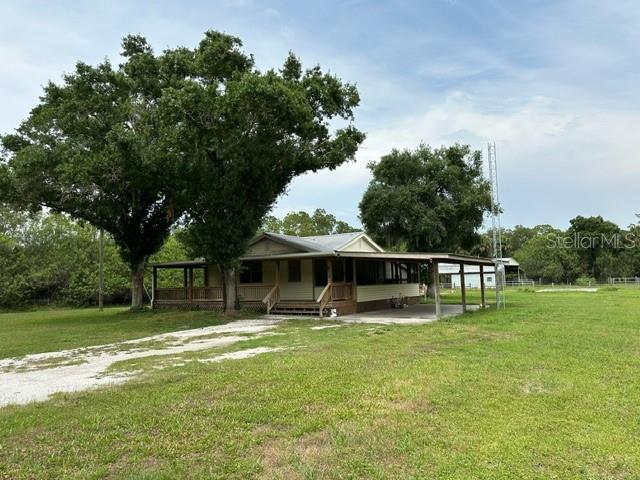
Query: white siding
pixel 360 245
pixel 473 280
pixel 317 291
pixel 367 293
pixel 268 247
pixel 302 290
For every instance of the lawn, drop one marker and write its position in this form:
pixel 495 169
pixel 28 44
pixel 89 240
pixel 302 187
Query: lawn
pixel 546 389
pixel 59 329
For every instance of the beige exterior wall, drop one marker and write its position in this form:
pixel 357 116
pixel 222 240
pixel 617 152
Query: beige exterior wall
pixel 302 290
pixel 268 247
pixel 269 272
pixel 360 245
pixel 367 293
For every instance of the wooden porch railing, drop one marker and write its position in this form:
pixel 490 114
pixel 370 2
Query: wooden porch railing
pixel 324 298
pixel 341 291
pixel 171 294
pixel 188 294
pixel 206 293
pixel 334 292
pixel 272 298
pixel 253 292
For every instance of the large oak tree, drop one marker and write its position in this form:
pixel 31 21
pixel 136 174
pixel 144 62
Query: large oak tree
pixel 427 199
pixel 104 145
pixel 250 139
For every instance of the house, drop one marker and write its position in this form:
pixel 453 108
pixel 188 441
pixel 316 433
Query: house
pixel 320 275
pixel 450 274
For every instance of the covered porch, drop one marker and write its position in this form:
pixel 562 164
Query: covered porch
pixel 308 284
pixel 271 286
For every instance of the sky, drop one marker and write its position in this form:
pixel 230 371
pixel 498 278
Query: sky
pixel 555 84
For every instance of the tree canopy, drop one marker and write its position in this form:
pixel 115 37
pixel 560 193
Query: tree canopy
pixel 248 139
pixel 101 148
pixel 427 199
pixel 302 224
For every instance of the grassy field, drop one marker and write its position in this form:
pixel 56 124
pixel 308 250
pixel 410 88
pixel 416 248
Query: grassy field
pixel 59 329
pixel 547 389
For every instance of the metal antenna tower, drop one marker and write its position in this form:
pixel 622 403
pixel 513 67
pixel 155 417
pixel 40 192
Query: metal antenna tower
pixel 496 230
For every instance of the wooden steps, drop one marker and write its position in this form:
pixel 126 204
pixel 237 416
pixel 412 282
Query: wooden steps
pixel 296 308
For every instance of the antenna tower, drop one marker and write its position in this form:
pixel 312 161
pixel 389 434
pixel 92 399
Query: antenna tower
pixel 496 230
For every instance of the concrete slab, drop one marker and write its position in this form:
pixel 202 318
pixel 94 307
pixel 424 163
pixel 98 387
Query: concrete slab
pixel 412 315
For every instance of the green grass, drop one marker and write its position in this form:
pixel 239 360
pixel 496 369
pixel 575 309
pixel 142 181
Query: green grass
pixel 547 389
pixel 58 329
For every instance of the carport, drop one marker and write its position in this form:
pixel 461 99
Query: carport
pixel 412 315
pixel 434 259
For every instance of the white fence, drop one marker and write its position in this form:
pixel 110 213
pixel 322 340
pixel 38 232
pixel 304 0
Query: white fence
pixel 626 281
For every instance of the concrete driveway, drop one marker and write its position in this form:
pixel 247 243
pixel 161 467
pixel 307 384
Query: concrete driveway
pixel 414 314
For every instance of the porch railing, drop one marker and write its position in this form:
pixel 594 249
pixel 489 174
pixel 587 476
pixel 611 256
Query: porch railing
pixel 253 292
pixel 341 291
pixel 199 294
pixel 272 298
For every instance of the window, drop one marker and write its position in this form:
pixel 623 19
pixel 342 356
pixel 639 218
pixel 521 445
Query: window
pixel 337 270
pixel 320 272
pixel 489 279
pixel 372 272
pixel 251 272
pixel 293 267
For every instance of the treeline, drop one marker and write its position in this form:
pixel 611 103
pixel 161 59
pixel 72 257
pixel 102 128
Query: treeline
pixel 592 248
pixel 50 259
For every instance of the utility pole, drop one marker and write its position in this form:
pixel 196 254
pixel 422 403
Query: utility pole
pixel 101 270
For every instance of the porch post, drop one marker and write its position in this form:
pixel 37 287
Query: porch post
pixel 354 295
pixel 463 289
pixel 329 271
pixel 483 302
pixel 186 280
pixel 154 285
pixel 436 287
pixel 190 283
pixel 278 272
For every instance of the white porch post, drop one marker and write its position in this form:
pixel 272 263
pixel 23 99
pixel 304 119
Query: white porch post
pixel 463 289
pixel 436 287
pixel 483 302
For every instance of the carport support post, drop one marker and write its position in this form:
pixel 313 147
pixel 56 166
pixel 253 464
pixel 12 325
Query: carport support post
pixel 463 289
pixel 483 302
pixel 436 287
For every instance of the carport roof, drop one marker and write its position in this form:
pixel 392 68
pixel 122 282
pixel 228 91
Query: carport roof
pixel 408 256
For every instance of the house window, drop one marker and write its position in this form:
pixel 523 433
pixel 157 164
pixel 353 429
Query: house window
pixel 337 270
pixel 295 274
pixel 489 279
pixel 251 272
pixel 320 272
pixel 372 272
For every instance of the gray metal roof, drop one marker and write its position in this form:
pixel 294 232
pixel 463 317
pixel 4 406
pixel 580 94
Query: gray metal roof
pixel 319 243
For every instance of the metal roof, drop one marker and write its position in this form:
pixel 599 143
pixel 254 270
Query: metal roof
pixel 318 243
pixel 332 245
pixel 407 256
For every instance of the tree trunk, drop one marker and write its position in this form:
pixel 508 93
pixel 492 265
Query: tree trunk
pixel 137 286
pixel 230 290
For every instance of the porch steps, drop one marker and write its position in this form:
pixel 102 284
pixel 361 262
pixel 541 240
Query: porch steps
pixel 293 308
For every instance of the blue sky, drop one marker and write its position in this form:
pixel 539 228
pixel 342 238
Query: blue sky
pixel 556 84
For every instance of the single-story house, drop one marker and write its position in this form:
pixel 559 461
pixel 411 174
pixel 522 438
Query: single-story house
pixel 320 275
pixel 450 274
